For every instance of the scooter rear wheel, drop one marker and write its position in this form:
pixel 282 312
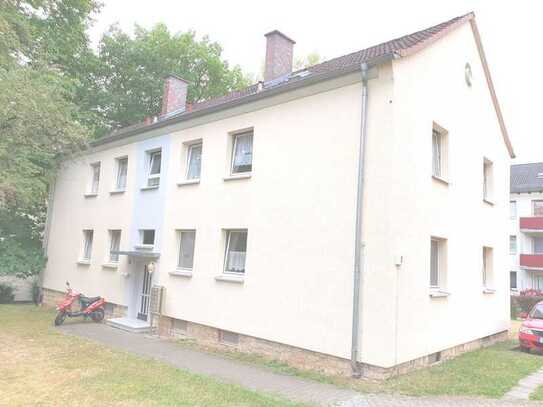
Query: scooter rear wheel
pixel 97 315
pixel 59 320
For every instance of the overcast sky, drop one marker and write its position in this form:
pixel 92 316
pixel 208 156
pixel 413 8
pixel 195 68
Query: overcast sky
pixel 511 33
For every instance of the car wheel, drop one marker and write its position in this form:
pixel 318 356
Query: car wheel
pixel 525 350
pixel 97 315
pixel 59 320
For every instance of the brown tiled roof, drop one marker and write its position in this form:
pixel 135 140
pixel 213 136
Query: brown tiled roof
pixel 399 47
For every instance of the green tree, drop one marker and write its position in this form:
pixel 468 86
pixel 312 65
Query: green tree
pixel 310 59
pixel 130 72
pixel 41 42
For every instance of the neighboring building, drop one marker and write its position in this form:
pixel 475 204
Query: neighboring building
pixel 256 211
pixel 526 227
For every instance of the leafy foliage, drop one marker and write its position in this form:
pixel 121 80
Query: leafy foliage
pixel 130 72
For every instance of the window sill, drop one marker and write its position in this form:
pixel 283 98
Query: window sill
pixel 488 290
pixel 110 265
pixel 144 246
pixel 441 180
pixel 488 201
pixel 90 195
pixel 117 191
pixel 83 262
pixel 188 182
pixel 230 279
pixel 238 176
pixel 437 293
pixel 148 188
pixel 181 273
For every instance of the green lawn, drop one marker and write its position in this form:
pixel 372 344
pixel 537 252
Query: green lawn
pixel 39 366
pixel 488 372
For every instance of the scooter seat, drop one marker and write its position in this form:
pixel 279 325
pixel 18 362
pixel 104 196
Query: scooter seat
pixel 89 300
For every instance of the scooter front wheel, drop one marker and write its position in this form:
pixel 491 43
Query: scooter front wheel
pixel 59 320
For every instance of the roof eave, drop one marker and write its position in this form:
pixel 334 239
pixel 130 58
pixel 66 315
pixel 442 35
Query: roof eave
pixel 311 80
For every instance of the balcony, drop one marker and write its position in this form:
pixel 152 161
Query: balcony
pixel 532 224
pixel 531 261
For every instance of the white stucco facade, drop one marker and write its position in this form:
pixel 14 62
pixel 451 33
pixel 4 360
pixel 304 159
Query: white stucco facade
pixel 299 207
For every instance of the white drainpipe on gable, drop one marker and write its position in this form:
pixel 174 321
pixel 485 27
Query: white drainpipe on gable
pixel 359 245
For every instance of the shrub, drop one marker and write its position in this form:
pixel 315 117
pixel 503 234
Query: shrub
pixel 524 303
pixel 6 293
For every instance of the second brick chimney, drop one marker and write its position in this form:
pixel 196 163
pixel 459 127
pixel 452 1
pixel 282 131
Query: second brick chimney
pixel 279 53
pixel 175 94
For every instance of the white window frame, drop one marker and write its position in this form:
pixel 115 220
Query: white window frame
pixel 88 237
pixel 488 180
pixel 151 157
pixel 513 244
pixel 180 233
pixel 121 161
pixel 534 201
pixel 516 280
pixel 441 276
pixel 233 155
pixel 190 147
pixel 227 250
pixel 513 209
pixel 488 265
pixel 96 168
pixel 114 258
pixel 440 137
pixel 142 238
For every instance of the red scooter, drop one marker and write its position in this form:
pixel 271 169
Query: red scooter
pixel 92 307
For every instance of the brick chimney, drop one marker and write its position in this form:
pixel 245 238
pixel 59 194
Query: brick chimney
pixel 279 52
pixel 175 94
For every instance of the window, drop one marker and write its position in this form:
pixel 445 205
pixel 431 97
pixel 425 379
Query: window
pixel 438 262
pixel 513 280
pixel 95 181
pixel 147 237
pixel 488 181
pixel 242 153
pixel 439 151
pixel 537 206
pixel 114 245
pixel 236 249
pixel 512 244
pixel 537 243
pixel 487 267
pixel 513 209
pixel 155 161
pixel 186 249
pixel 194 161
pixel 87 244
pixel 122 169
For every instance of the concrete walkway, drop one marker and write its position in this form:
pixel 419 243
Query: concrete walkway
pixel 261 379
pixel 525 387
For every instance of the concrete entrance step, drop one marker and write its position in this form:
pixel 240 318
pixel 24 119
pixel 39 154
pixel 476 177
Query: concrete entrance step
pixel 129 324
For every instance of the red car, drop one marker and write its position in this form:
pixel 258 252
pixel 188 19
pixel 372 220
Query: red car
pixel 530 334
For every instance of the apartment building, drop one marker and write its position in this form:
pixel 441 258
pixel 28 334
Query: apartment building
pixel 318 217
pixel 526 227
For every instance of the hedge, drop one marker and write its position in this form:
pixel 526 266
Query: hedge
pixel 523 303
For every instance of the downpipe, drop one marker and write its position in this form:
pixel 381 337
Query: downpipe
pixel 359 247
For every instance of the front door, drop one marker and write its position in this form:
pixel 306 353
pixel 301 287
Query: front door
pixel 145 295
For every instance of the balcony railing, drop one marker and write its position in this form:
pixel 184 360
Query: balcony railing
pixel 531 223
pixel 531 261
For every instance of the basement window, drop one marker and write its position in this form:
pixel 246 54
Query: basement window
pixel 228 338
